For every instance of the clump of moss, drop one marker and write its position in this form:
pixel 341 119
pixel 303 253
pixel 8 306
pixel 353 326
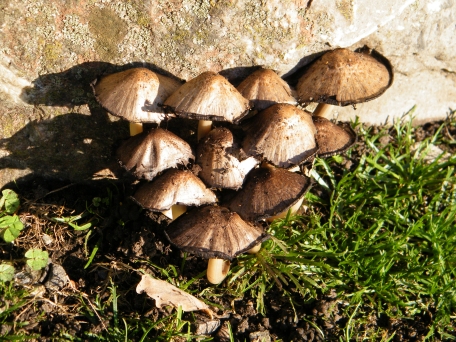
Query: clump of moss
pixel 346 8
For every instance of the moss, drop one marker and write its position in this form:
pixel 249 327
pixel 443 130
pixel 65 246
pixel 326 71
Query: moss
pixel 346 8
pixel 109 31
pixel 52 52
pixel 143 20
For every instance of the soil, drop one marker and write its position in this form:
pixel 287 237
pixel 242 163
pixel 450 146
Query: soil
pixel 128 239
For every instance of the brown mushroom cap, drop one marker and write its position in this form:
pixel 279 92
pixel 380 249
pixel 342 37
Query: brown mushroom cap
pixel 214 232
pixel 134 94
pixel 265 88
pixel 332 139
pixel 220 166
pixel 147 154
pixel 209 96
pixel 173 187
pixel 342 77
pixel 283 134
pixel 267 192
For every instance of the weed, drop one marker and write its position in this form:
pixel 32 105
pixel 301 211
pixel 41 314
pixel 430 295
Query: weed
pixel 12 302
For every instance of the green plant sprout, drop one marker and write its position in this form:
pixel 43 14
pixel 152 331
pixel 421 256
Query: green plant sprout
pixel 10 224
pixel 36 258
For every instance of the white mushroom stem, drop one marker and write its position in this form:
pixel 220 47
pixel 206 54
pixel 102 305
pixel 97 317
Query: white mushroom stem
pixel 217 269
pixel 323 109
pixel 255 249
pixel 135 128
pixel 175 211
pixel 204 127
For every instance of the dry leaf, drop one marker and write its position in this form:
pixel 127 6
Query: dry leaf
pixel 166 294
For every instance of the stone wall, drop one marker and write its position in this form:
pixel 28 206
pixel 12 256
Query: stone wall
pixel 50 50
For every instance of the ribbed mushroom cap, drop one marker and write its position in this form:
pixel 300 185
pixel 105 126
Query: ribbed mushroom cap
pixel 209 96
pixel 220 166
pixel 147 154
pixel 282 134
pixel 265 88
pixel 173 187
pixel 332 139
pixel 134 94
pixel 342 77
pixel 214 232
pixel 267 192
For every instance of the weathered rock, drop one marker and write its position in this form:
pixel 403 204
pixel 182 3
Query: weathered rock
pixel 51 50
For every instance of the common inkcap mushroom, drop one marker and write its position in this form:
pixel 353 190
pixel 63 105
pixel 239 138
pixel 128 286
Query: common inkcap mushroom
pixel 267 192
pixel 342 77
pixel 264 88
pixel 332 138
pixel 149 153
pixel 218 159
pixel 214 233
pixel 135 95
pixel 208 97
pixel 282 134
pixel 172 192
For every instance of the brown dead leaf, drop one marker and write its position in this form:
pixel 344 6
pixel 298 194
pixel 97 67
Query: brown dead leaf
pixel 166 294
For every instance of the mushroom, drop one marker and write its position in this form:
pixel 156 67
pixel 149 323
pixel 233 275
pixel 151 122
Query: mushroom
pixel 208 97
pixel 135 95
pixel 332 139
pixel 214 233
pixel 282 134
pixel 220 166
pixel 147 154
pixel 172 192
pixel 267 192
pixel 264 88
pixel 342 77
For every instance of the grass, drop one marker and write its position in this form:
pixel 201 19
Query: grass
pixel 382 235
pixel 377 244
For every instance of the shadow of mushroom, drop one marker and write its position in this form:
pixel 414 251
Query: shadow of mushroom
pixel 72 146
pixel 72 87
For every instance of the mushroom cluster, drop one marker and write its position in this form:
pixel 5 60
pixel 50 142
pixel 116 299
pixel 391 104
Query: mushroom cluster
pixel 247 169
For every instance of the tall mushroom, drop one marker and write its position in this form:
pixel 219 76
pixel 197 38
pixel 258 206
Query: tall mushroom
pixel 214 233
pixel 172 192
pixel 342 77
pixel 135 95
pixel 208 97
pixel 264 88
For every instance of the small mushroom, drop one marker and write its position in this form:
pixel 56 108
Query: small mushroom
pixel 135 95
pixel 332 139
pixel 147 154
pixel 282 134
pixel 268 191
pixel 219 162
pixel 214 233
pixel 264 88
pixel 342 77
pixel 172 192
pixel 208 97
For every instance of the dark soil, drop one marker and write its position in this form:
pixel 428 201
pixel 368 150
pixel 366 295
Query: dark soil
pixel 128 239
